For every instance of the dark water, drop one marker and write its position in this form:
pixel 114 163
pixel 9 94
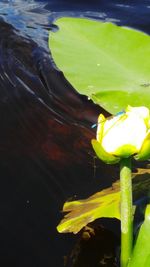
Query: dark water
pixel 45 133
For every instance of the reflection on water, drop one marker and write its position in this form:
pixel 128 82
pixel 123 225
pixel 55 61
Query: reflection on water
pixel 45 134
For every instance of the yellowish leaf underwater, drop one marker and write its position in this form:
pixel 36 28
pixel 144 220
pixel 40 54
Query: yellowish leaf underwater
pixel 81 212
pixel 102 204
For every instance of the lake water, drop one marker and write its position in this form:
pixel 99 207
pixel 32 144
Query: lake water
pixel 46 155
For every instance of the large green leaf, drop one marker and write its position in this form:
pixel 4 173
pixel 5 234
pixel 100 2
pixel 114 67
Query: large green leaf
pixel 141 252
pixel 108 63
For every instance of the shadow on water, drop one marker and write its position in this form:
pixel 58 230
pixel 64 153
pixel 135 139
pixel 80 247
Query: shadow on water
pixel 45 134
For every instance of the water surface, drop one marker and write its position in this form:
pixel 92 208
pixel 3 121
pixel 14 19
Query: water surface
pixel 46 155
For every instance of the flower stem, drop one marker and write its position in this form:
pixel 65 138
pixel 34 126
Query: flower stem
pixel 126 211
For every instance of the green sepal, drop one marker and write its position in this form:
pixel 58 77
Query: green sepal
pixel 141 252
pixel 102 154
pixel 125 151
pixel 144 153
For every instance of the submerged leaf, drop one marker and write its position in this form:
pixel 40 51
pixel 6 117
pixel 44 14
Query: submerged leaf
pixel 81 212
pixel 102 204
pixel 106 62
pixel 141 252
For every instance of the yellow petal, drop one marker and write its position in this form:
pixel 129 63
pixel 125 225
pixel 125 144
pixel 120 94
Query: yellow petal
pixel 128 130
pixel 144 153
pixel 100 127
pixel 142 112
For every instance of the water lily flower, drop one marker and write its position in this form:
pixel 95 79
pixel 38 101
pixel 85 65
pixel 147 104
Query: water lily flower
pixel 123 135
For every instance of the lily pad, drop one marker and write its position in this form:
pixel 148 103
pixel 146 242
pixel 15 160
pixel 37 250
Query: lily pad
pixel 108 63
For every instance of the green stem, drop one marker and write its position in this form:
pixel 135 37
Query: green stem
pixel 126 211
